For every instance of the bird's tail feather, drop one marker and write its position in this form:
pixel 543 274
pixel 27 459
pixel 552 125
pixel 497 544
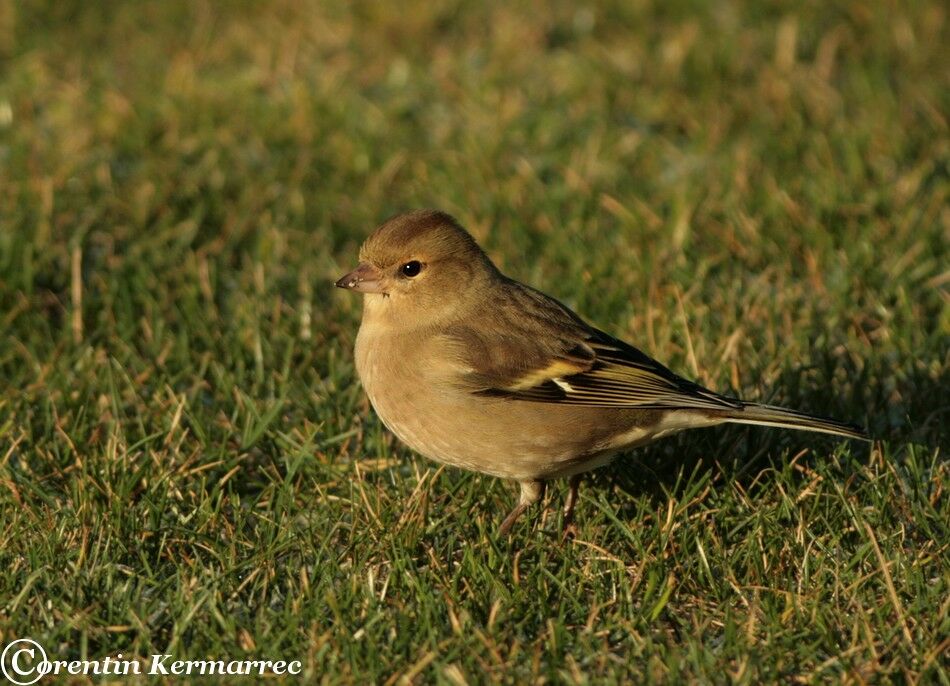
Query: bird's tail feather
pixel 769 415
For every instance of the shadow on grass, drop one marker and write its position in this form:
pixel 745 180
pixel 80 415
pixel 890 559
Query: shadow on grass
pixel 910 407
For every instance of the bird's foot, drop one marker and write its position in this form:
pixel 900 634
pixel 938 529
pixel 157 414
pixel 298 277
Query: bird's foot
pixel 567 521
pixel 531 492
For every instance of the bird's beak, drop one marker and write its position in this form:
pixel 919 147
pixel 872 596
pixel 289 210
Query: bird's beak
pixel 364 279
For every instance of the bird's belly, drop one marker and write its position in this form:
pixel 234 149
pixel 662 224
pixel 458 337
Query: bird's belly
pixel 511 439
pixel 456 428
pixel 452 434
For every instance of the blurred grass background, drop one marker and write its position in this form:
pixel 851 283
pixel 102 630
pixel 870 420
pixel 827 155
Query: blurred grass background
pixel 755 193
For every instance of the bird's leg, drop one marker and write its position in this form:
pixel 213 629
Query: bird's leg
pixel 573 484
pixel 531 492
pixel 568 520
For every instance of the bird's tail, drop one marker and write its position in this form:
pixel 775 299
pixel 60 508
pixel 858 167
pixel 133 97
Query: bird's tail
pixel 769 415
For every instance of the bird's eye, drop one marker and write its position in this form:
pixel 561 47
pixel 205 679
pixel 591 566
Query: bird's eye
pixel 411 269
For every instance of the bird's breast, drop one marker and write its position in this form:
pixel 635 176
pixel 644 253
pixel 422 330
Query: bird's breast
pixel 397 380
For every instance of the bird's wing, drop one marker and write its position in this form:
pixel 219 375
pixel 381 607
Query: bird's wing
pixel 541 351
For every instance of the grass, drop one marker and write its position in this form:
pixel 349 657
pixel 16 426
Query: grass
pixel 754 193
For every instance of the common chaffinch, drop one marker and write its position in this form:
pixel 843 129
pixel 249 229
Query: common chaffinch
pixel 473 369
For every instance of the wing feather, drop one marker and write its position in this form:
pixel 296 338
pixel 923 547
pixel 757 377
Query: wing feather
pixel 550 355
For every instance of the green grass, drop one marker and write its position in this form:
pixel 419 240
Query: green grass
pixel 755 193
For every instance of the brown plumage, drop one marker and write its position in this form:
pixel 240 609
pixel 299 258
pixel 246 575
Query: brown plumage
pixel 476 370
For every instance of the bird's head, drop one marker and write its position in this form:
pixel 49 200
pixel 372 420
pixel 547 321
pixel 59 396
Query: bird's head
pixel 420 262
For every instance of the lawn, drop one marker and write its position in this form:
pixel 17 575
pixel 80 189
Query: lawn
pixel 754 193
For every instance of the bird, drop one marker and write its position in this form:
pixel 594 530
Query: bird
pixel 473 369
